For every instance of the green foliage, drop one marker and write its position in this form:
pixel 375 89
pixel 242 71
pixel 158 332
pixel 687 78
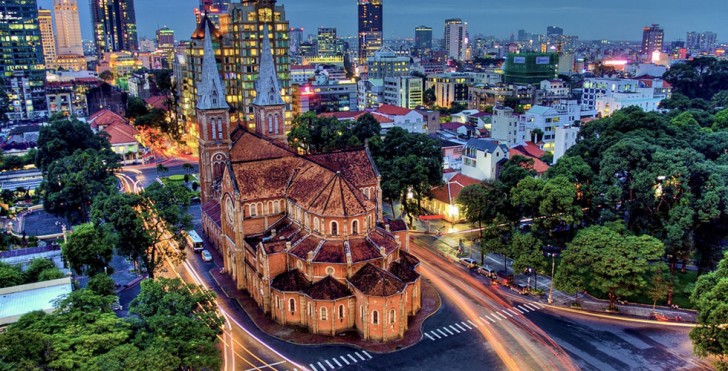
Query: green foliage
pixel 136 107
pixel 102 284
pixel 10 275
pixel 701 77
pixel 312 134
pixel 515 169
pixel 88 249
pixel 526 250
pixel 71 182
pixel 710 296
pixel 41 270
pixel 64 136
pixel 614 260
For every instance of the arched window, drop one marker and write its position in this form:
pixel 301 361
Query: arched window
pixel 324 313
pixel 366 193
pixel 253 210
pixel 270 124
pixel 219 128
pixel 277 207
pixel 278 302
pixel 341 312
pixel 214 128
pixel 392 316
pixel 334 228
pixel 355 227
pixel 292 305
pixel 375 317
pixel 361 313
pixel 316 225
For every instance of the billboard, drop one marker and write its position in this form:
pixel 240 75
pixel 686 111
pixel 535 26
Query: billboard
pixel 519 60
pixel 543 60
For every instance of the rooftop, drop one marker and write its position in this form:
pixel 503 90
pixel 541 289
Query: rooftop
pixel 21 299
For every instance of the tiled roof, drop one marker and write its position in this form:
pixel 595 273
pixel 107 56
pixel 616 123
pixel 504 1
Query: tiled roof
pixel 481 114
pixel 362 250
pixel 326 193
pixel 105 117
pixel 212 210
pixel 252 147
pixel 264 179
pixel 485 145
pixel 451 126
pixel 291 281
pixel 383 239
pixel 157 102
pixel 302 247
pixel 332 251
pixel 328 289
pixel 120 133
pixel 376 282
pixel 395 225
pixel 348 115
pixel 408 259
pixel 389 109
pixel 403 272
pixel 449 192
pixel 531 150
pixel 355 165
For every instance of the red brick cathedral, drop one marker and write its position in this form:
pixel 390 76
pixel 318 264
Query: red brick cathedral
pixel 302 235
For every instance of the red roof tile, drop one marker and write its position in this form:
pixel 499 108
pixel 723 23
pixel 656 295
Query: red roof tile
pixel 252 147
pixel 408 259
pixel 403 272
pixel 389 109
pixel 355 165
pixel 328 289
pixel 304 246
pixel 376 282
pixel 212 210
pixel 120 133
pixel 449 192
pixel 362 250
pixel 105 117
pixel 332 251
pixel 451 126
pixel 157 102
pixel 291 281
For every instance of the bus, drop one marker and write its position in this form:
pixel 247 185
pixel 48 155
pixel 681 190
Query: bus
pixel 194 241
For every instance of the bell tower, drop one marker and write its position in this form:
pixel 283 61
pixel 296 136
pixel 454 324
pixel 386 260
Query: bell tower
pixel 213 119
pixel 268 107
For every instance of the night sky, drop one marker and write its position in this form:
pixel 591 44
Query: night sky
pixel 615 19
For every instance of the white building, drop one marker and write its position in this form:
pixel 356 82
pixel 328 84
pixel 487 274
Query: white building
pixel 556 88
pixel 301 75
pixel 603 96
pixel 403 91
pixel 386 63
pixel 407 119
pixel 463 117
pixel 505 126
pixel 370 93
pixel 482 159
pixel 68 27
pixel 456 39
pixel 565 138
pixel 547 119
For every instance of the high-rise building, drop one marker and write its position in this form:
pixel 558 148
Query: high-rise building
pixel 296 39
pixel 370 28
pixel 326 41
pixel 386 63
pixel 456 39
pixel 652 38
pixel 701 42
pixel 21 59
pixel 47 36
pixel 114 25
pixel 423 40
pixel 216 10
pixel 554 31
pixel 165 39
pixel 68 27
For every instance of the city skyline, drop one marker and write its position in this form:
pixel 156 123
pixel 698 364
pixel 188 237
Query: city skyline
pixel 498 20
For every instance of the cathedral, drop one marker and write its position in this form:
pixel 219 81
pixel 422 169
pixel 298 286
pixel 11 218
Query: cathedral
pixel 303 235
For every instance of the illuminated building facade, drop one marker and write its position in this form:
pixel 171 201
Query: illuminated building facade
pixel 47 37
pixel 21 59
pixel 326 41
pixel 68 27
pixel 423 40
pixel 652 39
pixel 370 28
pixel 456 39
pixel 114 25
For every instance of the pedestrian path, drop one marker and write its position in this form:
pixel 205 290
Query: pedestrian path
pixel 487 318
pixel 340 361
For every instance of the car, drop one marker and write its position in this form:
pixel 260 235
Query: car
pixel 206 256
pixel 487 271
pixel 468 262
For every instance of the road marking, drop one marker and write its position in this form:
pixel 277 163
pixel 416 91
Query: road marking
pixel 454 329
pixel 329 363
pixel 540 305
pixel 312 367
pixel 498 316
pixel 359 355
pixel 472 323
pixel 509 315
pixel 484 321
pixel 461 327
pixel 435 333
pixel 344 359
pixel 429 337
pixel 366 354
pixel 531 306
pixel 466 325
pixel 443 334
pixel 323 368
pixel 512 311
pixel 448 331
pixel 352 358
pixel 524 308
pixel 337 362
pixel 519 311
pixel 269 365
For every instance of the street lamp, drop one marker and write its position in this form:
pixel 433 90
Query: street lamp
pixel 553 264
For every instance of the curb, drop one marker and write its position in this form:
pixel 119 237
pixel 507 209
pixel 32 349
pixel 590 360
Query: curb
pixel 627 319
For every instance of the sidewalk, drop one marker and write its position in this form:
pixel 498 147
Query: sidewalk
pixel 448 245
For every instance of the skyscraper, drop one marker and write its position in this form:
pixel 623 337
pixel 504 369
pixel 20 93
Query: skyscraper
pixel 68 28
pixel 215 9
pixel 114 25
pixel 47 36
pixel 423 40
pixel 370 28
pixel 326 41
pixel 554 31
pixel 456 39
pixel 21 59
pixel 652 38
pixel 165 39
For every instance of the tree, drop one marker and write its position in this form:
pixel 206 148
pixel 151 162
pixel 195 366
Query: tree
pixel 136 107
pixel 102 285
pixel 515 169
pixel 700 77
pixel 88 249
pixel 558 209
pixel 710 296
pixel 473 202
pixel 536 135
pixel 10 275
pixel 71 183
pixel 661 284
pixel 429 97
pixel 64 136
pixel 107 76
pixel 161 169
pixel 527 253
pixel 613 260
pixel 41 270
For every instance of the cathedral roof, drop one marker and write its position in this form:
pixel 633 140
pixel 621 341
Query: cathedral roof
pixel 211 91
pixel 332 251
pixel 357 165
pixel 362 250
pixel 253 147
pixel 267 87
pixel 408 259
pixel 291 281
pixel 376 282
pixel 403 272
pixel 264 179
pixel 328 289
pixel 325 193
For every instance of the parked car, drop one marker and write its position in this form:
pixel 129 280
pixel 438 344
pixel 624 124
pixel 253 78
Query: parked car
pixel 487 271
pixel 206 256
pixel 468 262
pixel 504 278
pixel 520 288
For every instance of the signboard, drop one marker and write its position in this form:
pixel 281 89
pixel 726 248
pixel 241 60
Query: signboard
pixel 543 60
pixel 519 60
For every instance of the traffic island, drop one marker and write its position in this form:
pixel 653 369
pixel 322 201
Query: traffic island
pixel 431 303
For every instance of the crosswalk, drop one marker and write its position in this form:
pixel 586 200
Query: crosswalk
pixel 340 361
pixel 486 318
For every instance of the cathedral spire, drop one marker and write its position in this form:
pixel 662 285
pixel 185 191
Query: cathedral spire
pixel 211 91
pixel 267 88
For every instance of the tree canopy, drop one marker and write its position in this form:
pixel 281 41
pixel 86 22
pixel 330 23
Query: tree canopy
pixel 64 136
pixel 710 296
